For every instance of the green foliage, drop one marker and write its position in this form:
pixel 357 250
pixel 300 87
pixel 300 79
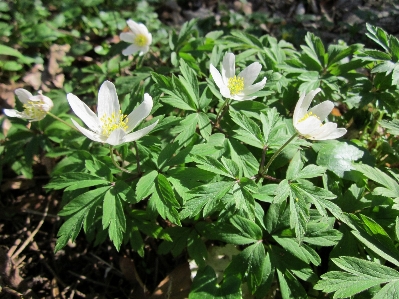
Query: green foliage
pixel 217 171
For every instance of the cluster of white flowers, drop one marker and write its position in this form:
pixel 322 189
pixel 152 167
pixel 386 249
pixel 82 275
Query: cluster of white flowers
pixel 112 127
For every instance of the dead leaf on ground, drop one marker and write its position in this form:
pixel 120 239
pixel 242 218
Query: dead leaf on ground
pixel 7 94
pixel 176 285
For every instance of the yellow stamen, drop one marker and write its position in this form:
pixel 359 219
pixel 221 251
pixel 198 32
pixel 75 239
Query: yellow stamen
pixel 34 109
pixel 112 122
pixel 307 115
pixel 140 40
pixel 235 85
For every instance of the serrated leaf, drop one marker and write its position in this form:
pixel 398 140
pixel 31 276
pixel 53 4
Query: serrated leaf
pixel 303 251
pixel 212 165
pixel 114 217
pixel 75 180
pixel 371 234
pixel 360 276
pixel 79 209
pixel 247 227
pixel 391 186
pixel 207 196
pixel 250 131
pixel 146 185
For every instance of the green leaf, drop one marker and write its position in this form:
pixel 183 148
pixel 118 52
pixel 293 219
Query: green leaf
pixel 75 180
pixel 250 261
pixel 303 251
pixel 247 227
pixel 189 83
pixel 164 200
pixel 391 186
pixel 378 35
pixel 360 275
pixel 205 286
pixel 114 217
pixel 204 125
pixel 299 216
pixel 392 126
pixel 213 165
pixel 271 123
pixel 207 197
pixel 78 209
pixel 187 129
pixel 196 248
pixel 290 287
pixel 338 156
pixel 371 234
pixel 250 132
pixel 146 184
pixel 294 167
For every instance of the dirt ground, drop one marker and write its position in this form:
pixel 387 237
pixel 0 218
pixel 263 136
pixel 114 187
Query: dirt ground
pixel 28 215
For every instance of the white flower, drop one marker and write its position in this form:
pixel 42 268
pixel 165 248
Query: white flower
pixel 239 87
pixel 309 123
pixel 111 126
pixel 140 38
pixel 35 107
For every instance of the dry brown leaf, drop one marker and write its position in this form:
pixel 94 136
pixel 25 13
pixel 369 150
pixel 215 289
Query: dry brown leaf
pixel 7 94
pixel 176 285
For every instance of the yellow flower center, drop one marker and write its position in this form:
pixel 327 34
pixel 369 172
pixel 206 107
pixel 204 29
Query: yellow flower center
pixel 140 40
pixel 235 85
pixel 112 122
pixel 307 115
pixel 34 109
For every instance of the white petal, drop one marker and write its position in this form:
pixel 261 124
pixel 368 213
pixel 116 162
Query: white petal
pixel 132 49
pixel 89 134
pixel 108 102
pixel 116 137
pixel 308 126
pixel 149 36
pixel 250 73
pixel 323 109
pixel 141 112
pixel 143 29
pixel 133 26
pixel 14 113
pixel 243 97
pixel 334 135
pixel 228 67
pixel 328 131
pixel 303 104
pixel 217 77
pixel 143 50
pixel 23 95
pixel 84 112
pixel 254 88
pixel 138 134
pixel 48 103
pixel 127 37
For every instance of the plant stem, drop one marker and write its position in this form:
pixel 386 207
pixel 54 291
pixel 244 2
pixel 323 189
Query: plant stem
pixel 137 157
pixel 63 121
pixel 221 112
pixel 276 154
pixel 113 160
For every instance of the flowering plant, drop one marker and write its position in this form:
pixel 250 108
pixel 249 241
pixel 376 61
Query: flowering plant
pixel 253 193
pixel 111 126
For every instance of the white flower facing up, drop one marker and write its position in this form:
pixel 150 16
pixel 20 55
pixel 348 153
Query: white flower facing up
pixel 111 126
pixel 35 107
pixel 237 87
pixel 308 123
pixel 139 37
